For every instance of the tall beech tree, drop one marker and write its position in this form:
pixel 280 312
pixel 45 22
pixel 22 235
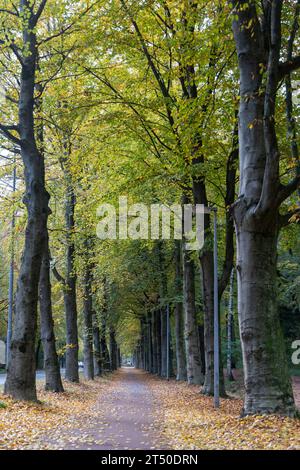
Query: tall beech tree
pixel 69 280
pixel 20 382
pixel 257 214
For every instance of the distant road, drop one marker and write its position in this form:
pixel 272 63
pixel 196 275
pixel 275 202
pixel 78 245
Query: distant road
pixel 40 375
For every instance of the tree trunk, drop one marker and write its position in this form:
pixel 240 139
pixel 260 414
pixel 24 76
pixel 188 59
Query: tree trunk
pixel 88 356
pixel 158 341
pixel 192 342
pixel 208 304
pixel 105 359
pixel 53 381
pixel 179 342
pixel 97 346
pixel 267 381
pixel 119 357
pixel 202 348
pixel 146 343
pixel 256 213
pixel 229 329
pixel 112 349
pixel 70 292
pixel 163 338
pixel 150 353
pixel 171 355
pixel 179 320
pixel 37 353
pixel 207 265
pixel 20 381
pixel 154 342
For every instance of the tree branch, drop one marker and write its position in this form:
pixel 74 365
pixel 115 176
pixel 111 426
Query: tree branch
pixel 39 12
pixel 288 66
pixel 6 131
pixel 155 71
pixel 286 219
pixel 56 274
pixel 3 10
pixel 286 190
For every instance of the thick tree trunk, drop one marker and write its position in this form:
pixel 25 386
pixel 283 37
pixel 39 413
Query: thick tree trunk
pixel 267 381
pixel 51 363
pixel 179 320
pixel 192 342
pixel 88 356
pixel 20 381
pixel 256 213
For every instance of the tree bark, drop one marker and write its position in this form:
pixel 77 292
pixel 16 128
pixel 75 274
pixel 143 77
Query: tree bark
pixel 256 212
pixel 179 320
pixel 163 338
pixel 105 359
pixel 88 356
pixel 192 342
pixel 53 381
pixel 20 381
pixel 150 354
pixel 208 306
pixel 229 329
pixel 158 341
pixel 154 342
pixel 97 346
pixel 70 301
pixel 112 349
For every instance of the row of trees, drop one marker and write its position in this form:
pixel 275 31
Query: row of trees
pixel 142 98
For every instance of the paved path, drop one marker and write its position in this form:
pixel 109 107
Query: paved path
pixel 122 419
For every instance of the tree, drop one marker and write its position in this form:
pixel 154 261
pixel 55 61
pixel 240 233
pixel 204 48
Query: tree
pixel 20 382
pixel 258 38
pixel 51 363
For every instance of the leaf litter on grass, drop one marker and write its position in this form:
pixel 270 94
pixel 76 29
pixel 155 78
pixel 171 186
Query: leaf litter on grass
pixel 26 425
pixel 188 420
